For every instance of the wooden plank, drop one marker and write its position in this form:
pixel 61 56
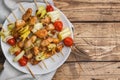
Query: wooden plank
pixel 89 71
pixel 100 41
pixel 90 10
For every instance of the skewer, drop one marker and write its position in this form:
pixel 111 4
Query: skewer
pixel 30 71
pixel 27 64
pixel 40 66
pixel 36 4
pixel 46 2
pixel 22 7
pixel 37 7
pixel 14 16
pixel 44 64
pixel 8 19
pixel 62 53
pixel 52 59
pixel 57 55
pixel 32 44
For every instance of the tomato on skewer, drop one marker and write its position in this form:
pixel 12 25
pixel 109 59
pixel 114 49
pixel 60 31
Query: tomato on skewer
pixel 49 8
pixel 68 41
pixel 58 25
pixel 11 41
pixel 23 61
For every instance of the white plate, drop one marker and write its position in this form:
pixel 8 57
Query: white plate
pixel 49 63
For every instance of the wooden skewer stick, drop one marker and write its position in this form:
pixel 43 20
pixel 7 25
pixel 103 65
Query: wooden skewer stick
pixel 62 53
pixel 32 44
pixel 36 4
pixel 40 66
pixel 28 37
pixel 52 59
pixel 26 65
pixel 46 2
pixel 14 16
pixel 30 71
pixel 57 55
pixel 8 19
pixel 22 7
pixel 44 64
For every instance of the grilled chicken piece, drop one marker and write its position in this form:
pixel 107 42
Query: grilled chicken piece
pixel 21 44
pixel 50 39
pixel 33 20
pixel 56 40
pixel 19 24
pixel 30 42
pixel 59 47
pixel 34 62
pixel 50 27
pixel 27 14
pixel 29 55
pixel 41 33
pixel 45 43
pixel 36 50
pixel 46 20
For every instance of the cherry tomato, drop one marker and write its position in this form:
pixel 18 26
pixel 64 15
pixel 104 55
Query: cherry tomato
pixel 68 41
pixel 49 8
pixel 17 52
pixel 23 61
pixel 11 41
pixel 58 25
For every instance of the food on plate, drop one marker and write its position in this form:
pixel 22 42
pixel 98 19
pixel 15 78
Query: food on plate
pixel 49 8
pixel 37 37
pixel 68 41
pixel 58 25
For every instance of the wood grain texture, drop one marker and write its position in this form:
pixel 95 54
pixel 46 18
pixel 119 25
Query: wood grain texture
pixel 97 36
pixel 100 41
pixel 90 10
pixel 89 71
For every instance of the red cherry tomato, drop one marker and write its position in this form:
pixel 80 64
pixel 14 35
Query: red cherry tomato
pixel 68 41
pixel 17 52
pixel 58 25
pixel 49 8
pixel 11 41
pixel 23 61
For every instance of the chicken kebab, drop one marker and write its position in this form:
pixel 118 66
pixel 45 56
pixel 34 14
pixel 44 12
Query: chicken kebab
pixel 36 37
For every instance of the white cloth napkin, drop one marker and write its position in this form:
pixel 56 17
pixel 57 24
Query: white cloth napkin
pixel 10 73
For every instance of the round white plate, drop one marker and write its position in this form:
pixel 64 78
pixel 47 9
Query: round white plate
pixel 51 65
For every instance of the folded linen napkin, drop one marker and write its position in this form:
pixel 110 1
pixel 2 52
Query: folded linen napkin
pixel 10 73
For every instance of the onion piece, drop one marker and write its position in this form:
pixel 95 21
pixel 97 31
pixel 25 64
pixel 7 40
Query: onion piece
pixel 19 56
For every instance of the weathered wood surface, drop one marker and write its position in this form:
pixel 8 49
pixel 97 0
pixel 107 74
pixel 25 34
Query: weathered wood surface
pixel 89 71
pixel 100 41
pixel 97 36
pixel 90 10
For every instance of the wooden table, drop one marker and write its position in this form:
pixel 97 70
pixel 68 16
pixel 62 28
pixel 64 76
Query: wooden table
pixel 96 53
pixel 97 38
